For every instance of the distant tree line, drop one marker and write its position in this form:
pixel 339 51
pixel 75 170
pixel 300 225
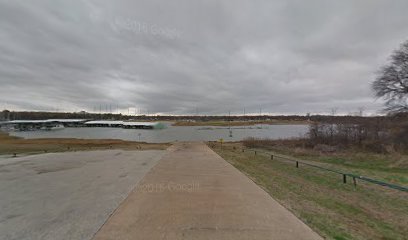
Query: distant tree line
pixel 13 115
pixel 381 135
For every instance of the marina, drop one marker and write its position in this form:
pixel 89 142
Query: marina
pixel 57 124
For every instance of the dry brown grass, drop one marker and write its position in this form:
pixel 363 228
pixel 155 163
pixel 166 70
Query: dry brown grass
pixel 11 145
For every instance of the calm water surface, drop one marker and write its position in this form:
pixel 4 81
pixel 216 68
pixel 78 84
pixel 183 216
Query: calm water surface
pixel 172 133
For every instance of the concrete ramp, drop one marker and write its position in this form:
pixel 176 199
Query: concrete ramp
pixel 192 193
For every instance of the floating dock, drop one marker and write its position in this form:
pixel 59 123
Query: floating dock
pixel 122 124
pixel 50 124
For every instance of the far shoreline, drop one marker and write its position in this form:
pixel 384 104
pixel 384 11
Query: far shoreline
pixel 239 123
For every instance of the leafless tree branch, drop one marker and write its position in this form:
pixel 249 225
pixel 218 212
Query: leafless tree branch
pixel 391 83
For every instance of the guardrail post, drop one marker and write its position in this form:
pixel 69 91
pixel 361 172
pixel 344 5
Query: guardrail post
pixel 344 178
pixel 297 164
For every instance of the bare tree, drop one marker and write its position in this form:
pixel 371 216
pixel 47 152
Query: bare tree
pixel 333 110
pixel 361 111
pixel 392 81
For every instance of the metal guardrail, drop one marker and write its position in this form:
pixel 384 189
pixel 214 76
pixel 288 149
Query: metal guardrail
pixel 344 174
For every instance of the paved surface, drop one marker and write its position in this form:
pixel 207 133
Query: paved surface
pixel 192 193
pixel 66 195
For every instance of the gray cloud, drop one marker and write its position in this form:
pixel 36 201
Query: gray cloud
pixel 177 57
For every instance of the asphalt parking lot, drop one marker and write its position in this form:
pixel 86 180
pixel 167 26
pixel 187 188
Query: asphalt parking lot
pixel 67 195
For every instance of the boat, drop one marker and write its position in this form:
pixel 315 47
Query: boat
pixel 57 127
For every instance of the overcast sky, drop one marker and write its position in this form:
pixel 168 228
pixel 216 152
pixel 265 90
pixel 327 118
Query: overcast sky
pixel 184 57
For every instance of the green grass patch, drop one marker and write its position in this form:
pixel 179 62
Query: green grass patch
pixel 320 199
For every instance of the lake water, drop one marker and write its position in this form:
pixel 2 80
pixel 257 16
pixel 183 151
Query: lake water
pixel 172 133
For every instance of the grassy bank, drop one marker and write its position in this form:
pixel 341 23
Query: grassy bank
pixel 239 123
pixel 11 145
pixel 333 209
pixel 390 167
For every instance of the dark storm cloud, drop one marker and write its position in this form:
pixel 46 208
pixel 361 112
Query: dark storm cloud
pixel 179 57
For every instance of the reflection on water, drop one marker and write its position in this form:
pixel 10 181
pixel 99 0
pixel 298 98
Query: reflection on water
pixel 172 133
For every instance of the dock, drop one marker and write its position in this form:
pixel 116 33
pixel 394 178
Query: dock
pixel 50 124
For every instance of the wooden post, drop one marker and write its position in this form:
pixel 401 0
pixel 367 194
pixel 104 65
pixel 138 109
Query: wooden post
pixel 255 152
pixel 297 164
pixel 271 157
pixel 344 178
